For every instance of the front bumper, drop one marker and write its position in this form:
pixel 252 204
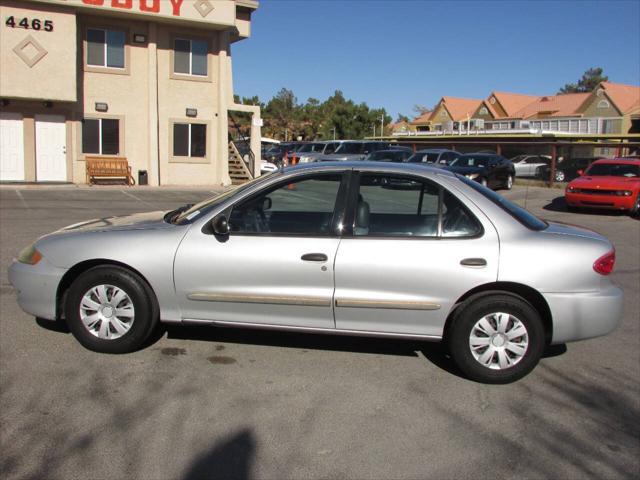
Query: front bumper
pixel 577 316
pixel 610 202
pixel 36 287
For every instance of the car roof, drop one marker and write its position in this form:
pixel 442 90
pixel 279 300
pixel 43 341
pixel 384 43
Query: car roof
pixel 620 161
pixel 480 154
pixel 363 165
pixel 435 150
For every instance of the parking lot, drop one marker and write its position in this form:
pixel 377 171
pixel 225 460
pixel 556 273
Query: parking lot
pixel 211 403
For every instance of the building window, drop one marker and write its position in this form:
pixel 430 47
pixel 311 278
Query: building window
pixel 105 48
pixel 189 140
pixel 603 104
pixel 443 113
pixel 190 57
pixel 101 136
pixel 484 111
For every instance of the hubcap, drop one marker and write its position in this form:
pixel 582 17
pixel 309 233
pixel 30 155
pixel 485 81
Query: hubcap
pixel 498 341
pixel 107 312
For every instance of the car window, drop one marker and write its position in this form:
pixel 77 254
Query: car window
pixel 303 207
pixel 391 205
pixel 457 220
pixel 525 217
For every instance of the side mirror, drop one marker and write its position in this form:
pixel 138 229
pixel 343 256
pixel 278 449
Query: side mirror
pixel 580 172
pixel 220 225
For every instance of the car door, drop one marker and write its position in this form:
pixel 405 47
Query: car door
pixel 494 173
pixel 414 249
pixel 276 264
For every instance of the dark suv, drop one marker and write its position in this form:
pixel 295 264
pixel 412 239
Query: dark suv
pixel 567 170
pixel 489 169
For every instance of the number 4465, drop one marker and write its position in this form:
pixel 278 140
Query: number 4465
pixel 26 23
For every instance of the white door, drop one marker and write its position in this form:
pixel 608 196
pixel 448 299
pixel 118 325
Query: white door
pixel 11 147
pixel 51 141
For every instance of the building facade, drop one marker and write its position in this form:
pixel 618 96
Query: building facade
pixel 147 80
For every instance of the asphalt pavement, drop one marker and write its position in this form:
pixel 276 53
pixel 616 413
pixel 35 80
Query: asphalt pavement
pixel 203 402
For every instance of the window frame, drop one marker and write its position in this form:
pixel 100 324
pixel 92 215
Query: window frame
pixel 106 69
pixel 100 118
pixel 339 209
pixel 354 190
pixel 188 158
pixel 179 35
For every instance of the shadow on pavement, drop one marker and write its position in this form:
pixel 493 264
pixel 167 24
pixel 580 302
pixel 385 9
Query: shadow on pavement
pixel 559 204
pixel 230 459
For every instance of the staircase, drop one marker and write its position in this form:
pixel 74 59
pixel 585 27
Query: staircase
pixel 238 170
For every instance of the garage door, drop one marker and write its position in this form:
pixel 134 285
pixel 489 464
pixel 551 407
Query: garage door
pixel 11 147
pixel 51 141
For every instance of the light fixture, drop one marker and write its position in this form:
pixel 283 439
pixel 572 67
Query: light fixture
pixel 101 107
pixel 192 112
pixel 139 38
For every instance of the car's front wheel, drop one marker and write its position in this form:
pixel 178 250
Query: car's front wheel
pixel 497 338
pixel 509 183
pixel 560 176
pixel 111 310
pixel 635 211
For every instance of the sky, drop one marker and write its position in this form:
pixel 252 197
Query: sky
pixel 396 54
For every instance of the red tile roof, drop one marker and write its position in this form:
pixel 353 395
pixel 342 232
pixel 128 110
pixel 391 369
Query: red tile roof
pixel 460 108
pixel 625 97
pixel 554 106
pixel 422 119
pixel 513 102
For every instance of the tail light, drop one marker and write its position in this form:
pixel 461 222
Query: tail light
pixel 604 265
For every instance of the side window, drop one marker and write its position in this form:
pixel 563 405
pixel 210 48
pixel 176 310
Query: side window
pixel 457 221
pixel 190 57
pixel 100 136
pixel 304 207
pixel 105 48
pixel 396 206
pixel 189 140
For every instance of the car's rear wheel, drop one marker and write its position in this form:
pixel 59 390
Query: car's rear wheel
pixel 111 310
pixel 496 338
pixel 560 176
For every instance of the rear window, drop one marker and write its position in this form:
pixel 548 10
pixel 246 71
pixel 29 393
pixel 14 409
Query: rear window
pixel 523 216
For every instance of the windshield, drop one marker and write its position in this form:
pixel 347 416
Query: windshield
pixel 469 161
pixel 424 157
pixel 349 148
pixel 206 205
pixel 614 170
pixel 525 217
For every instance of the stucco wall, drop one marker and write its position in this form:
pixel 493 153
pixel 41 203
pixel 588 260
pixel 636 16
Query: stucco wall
pixel 53 75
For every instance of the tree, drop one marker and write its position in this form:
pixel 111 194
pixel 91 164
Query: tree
pixel 589 81
pixel 402 118
pixel 420 109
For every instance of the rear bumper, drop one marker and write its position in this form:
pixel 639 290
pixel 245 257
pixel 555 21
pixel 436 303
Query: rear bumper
pixel 36 287
pixel 610 202
pixel 577 316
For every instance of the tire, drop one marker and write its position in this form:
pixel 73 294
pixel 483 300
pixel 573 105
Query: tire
pixel 539 173
pixel 118 307
pixel 500 364
pixel 635 211
pixel 560 176
pixel 509 184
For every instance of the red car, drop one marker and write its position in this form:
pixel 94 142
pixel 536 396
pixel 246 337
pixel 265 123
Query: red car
pixel 612 184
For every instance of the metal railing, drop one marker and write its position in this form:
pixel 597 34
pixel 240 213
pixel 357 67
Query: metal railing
pixel 243 143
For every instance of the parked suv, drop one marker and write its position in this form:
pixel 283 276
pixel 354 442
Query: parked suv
pixel 311 152
pixel 354 150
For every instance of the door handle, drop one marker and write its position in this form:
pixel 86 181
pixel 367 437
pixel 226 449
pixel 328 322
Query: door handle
pixel 473 262
pixel 314 257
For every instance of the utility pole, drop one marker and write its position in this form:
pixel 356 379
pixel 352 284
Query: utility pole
pixel 374 130
pixel 334 132
pixel 381 125
pixel 286 134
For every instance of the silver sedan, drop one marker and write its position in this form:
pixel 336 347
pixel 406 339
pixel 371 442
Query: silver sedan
pixel 363 248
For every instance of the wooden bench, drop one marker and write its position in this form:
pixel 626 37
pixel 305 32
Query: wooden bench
pixel 108 167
